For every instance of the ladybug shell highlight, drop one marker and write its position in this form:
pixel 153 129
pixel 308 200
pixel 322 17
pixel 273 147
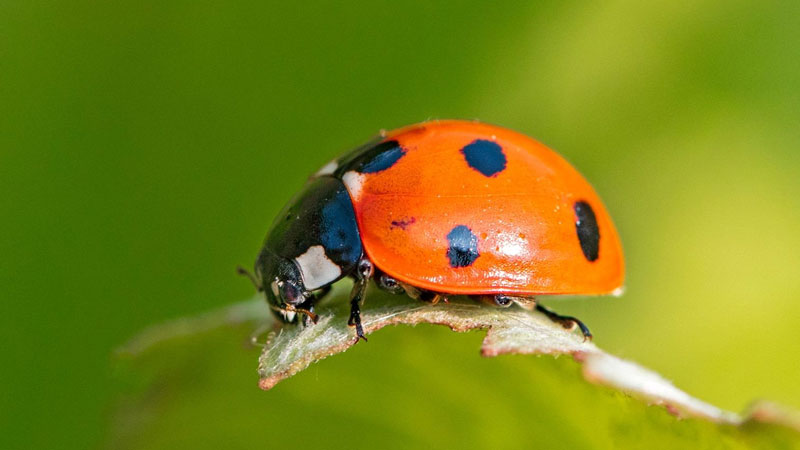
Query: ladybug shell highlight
pixel 469 208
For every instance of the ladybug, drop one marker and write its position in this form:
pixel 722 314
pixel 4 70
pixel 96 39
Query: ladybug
pixel 442 208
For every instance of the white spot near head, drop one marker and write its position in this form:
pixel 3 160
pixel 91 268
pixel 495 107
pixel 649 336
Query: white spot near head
pixel 274 287
pixel 327 169
pixel 316 269
pixel 353 181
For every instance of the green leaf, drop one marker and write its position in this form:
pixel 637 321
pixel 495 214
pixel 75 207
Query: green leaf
pixel 191 384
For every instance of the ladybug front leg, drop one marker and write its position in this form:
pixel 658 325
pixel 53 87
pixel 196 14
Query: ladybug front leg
pixel 365 272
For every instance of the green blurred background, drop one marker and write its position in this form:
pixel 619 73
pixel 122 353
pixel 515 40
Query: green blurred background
pixel 145 146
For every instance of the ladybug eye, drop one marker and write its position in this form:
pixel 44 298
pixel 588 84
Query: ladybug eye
pixel 588 233
pixel 291 292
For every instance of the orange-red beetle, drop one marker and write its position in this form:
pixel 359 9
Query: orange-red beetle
pixel 443 208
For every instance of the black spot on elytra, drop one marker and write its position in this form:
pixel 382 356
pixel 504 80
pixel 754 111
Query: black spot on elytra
pixel 380 157
pixel 403 223
pixel 588 233
pixel 485 156
pixel 463 248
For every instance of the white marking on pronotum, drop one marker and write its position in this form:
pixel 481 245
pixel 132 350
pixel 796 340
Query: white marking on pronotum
pixel 327 169
pixel 274 287
pixel 316 269
pixel 353 182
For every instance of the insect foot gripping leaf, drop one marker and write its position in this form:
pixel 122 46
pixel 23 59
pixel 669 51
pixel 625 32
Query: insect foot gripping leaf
pixel 195 368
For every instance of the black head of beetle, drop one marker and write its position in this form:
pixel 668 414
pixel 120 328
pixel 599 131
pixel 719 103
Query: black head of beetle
pixel 282 283
pixel 313 243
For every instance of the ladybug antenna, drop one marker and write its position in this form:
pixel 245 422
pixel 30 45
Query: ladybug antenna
pixel 289 308
pixel 314 318
pixel 242 271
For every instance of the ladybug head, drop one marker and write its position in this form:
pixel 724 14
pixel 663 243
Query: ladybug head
pixel 282 284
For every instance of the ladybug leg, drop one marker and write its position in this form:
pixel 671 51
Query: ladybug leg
pixel 440 298
pixel 431 297
pixel 365 272
pixel 389 284
pixel 422 294
pixel 359 288
pixel 567 322
pixel 527 303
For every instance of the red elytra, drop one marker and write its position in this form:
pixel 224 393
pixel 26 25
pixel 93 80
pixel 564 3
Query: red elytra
pixel 452 215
